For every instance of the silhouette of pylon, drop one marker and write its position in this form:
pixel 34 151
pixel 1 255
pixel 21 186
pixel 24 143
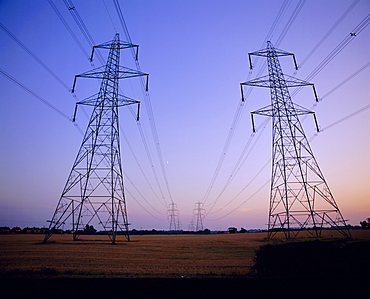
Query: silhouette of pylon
pixel 173 214
pixel 300 198
pixel 94 190
pixel 199 213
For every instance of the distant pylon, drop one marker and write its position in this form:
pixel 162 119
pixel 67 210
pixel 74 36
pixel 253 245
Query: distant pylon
pixel 173 214
pixel 199 213
pixel 300 197
pixel 94 192
pixel 191 226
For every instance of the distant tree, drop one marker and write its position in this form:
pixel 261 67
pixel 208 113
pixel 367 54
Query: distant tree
pixel 232 230
pixel 4 230
pixel 243 230
pixel 364 224
pixel 206 231
pixel 16 230
pixel 89 229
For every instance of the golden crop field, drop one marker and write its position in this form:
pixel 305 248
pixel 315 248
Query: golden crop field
pixel 147 256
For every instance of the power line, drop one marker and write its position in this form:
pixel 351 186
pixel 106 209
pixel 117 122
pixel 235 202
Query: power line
pixel 109 15
pixel 138 191
pixel 269 36
pixel 133 197
pixel 81 25
pixel 249 198
pixel 68 28
pixel 38 60
pixel 347 79
pixel 346 117
pixel 277 21
pixel 147 101
pixel 354 33
pixel 15 81
pixel 290 21
pixel 230 135
pixel 141 169
pixel 332 28
pixel 151 162
pixel 243 157
pixel 33 55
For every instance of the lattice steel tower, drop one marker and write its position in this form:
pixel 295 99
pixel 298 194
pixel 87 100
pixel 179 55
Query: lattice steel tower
pixel 199 213
pixel 173 214
pixel 300 197
pixel 94 190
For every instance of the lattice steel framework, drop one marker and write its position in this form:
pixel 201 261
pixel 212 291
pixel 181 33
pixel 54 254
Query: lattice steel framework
pixel 173 214
pixel 199 213
pixel 300 197
pixel 95 190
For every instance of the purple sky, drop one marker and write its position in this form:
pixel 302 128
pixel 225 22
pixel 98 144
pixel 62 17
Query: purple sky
pixel 196 53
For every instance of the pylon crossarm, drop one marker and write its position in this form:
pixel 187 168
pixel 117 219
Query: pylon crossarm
pixel 125 101
pixel 94 99
pixel 267 53
pixel 121 101
pixel 116 43
pixel 265 111
pixel 263 81
pixel 295 82
pixel 101 73
pixel 120 45
pixel 299 110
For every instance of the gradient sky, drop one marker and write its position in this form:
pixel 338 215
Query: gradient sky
pixel 196 53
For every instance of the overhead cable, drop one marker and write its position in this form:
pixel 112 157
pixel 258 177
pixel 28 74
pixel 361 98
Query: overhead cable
pixel 142 171
pixel 230 135
pixel 15 81
pixel 249 198
pixel 268 37
pixel 81 25
pixel 290 21
pixel 138 202
pixel 33 55
pixel 327 34
pixel 346 80
pixel 138 191
pixel 243 157
pixel 346 117
pixel 147 101
pixel 68 28
pixel 355 32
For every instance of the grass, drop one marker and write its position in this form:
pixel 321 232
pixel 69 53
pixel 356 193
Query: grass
pixel 147 256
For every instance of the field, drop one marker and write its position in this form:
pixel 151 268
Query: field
pixel 147 256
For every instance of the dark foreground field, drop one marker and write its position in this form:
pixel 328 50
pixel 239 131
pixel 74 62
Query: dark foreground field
pixel 169 262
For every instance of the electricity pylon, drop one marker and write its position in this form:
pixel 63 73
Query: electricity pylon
pixel 300 197
pixel 94 190
pixel 199 213
pixel 173 214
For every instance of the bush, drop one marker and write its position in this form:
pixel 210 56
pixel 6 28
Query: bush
pixel 313 259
